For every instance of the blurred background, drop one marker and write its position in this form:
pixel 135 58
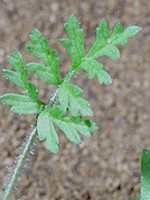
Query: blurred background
pixel 106 166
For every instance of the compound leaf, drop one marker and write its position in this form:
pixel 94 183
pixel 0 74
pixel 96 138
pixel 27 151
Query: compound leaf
pixel 20 76
pixel 75 43
pixel 70 96
pixel 71 126
pixel 46 131
pixel 20 103
pixel 41 49
pixel 105 44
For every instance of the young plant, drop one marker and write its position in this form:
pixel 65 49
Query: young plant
pixel 67 110
pixel 145 176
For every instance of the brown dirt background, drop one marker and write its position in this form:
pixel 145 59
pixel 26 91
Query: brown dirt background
pixel 106 166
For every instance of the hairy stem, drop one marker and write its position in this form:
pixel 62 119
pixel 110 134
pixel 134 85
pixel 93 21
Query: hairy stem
pixel 23 157
pixel 20 164
pixel 27 146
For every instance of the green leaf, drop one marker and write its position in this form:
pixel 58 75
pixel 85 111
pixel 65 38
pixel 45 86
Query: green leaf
pixel 69 130
pixel 20 104
pixel 75 43
pixel 117 30
pixel 102 35
pixel 95 68
pixel 41 49
pixel 16 61
pixel 105 44
pixel 33 92
pixel 20 76
pixel 46 131
pixel 27 108
pixel 71 126
pixel 43 72
pixel 13 99
pixel 13 76
pixel 121 37
pixel 39 46
pixel 110 51
pixel 145 179
pixel 70 96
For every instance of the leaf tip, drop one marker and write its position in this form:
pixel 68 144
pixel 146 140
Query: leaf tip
pixel 54 149
pixel 138 28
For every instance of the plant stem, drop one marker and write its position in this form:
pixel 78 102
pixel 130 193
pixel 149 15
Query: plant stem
pixel 68 77
pixel 23 156
pixel 27 146
pixel 20 164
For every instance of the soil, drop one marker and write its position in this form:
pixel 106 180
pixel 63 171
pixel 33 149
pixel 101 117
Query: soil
pixel 107 165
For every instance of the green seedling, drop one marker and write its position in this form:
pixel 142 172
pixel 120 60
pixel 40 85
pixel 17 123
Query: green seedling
pixel 145 176
pixel 67 110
